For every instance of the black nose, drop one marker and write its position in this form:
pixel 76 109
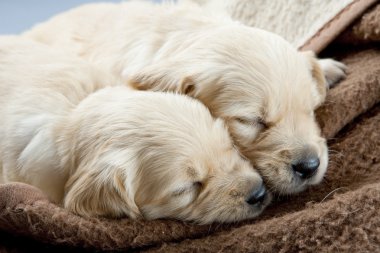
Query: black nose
pixel 306 168
pixel 257 196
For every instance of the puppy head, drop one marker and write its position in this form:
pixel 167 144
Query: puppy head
pixel 278 132
pixel 157 155
pixel 264 89
pixel 206 181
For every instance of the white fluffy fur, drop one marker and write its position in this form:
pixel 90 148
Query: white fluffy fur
pixel 264 89
pixel 110 151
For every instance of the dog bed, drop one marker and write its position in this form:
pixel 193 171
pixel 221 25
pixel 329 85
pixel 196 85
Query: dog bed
pixel 339 215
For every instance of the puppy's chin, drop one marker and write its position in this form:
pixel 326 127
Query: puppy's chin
pixel 283 180
pixel 289 184
pixel 297 184
pixel 229 215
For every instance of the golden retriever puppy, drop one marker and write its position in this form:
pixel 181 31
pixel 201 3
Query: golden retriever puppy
pixel 264 89
pixel 105 150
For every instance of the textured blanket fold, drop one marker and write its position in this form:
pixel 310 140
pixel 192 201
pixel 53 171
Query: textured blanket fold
pixel 366 30
pixel 308 25
pixel 339 215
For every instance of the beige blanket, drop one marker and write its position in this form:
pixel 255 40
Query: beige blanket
pixel 307 24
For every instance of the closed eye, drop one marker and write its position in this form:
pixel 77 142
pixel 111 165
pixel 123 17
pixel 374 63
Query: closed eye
pixel 181 191
pixel 196 186
pixel 256 122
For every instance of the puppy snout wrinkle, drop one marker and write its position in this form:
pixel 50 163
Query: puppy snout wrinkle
pixel 257 196
pixel 307 167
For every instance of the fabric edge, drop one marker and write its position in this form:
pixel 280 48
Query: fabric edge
pixel 336 25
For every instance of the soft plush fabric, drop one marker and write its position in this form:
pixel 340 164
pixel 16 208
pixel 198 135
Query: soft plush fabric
pixel 339 215
pixel 367 30
pixel 307 24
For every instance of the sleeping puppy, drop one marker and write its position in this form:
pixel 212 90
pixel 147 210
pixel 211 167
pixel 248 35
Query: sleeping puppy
pixel 111 151
pixel 264 89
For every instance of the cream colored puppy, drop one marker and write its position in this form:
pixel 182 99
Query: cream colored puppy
pixel 264 89
pixel 111 151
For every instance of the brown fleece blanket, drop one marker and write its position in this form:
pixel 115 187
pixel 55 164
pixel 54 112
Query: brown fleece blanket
pixel 342 214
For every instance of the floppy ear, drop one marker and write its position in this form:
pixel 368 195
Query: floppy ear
pixel 318 76
pixel 162 77
pixel 98 193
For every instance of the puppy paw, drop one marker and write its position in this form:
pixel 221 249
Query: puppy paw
pixel 334 71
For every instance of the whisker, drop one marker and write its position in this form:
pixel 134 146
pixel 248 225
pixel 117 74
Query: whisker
pixel 331 193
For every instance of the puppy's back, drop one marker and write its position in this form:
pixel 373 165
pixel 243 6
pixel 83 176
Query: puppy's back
pixel 38 83
pixel 38 86
pixel 26 65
